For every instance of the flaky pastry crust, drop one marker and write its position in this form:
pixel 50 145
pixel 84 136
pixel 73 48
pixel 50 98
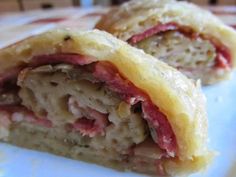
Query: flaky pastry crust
pixel 177 97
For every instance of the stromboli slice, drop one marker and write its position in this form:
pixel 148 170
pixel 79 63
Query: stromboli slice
pixel 179 33
pixel 90 96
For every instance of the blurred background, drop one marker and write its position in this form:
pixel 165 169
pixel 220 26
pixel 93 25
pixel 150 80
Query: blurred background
pixel 25 5
pixel 23 18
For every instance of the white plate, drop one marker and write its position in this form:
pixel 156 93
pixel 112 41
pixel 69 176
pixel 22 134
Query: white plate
pixel 17 162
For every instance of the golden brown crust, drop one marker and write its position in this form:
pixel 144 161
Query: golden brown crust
pixel 177 97
pixel 137 16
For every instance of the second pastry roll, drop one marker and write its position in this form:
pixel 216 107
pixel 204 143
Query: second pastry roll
pixel 181 34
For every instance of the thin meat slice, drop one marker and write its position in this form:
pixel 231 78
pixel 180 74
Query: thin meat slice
pixel 107 73
pixel 70 58
pixel 152 31
pixel 90 122
pixel 223 56
pixel 39 60
pixel 20 113
pixel 162 132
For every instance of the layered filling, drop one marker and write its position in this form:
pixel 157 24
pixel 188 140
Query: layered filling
pixel 89 105
pixel 179 46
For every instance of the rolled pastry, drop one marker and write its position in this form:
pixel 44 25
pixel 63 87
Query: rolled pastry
pixel 90 96
pixel 179 33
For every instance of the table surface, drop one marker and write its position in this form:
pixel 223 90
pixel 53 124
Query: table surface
pixel 25 163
